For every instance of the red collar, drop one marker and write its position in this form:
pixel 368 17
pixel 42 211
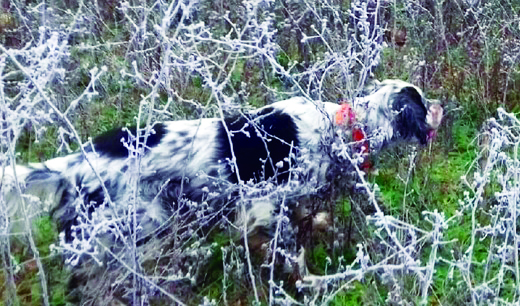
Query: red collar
pixel 345 116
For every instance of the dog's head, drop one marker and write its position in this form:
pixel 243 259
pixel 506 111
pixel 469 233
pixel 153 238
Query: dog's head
pixel 399 110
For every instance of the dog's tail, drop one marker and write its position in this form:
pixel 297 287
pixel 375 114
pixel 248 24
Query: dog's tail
pixel 30 191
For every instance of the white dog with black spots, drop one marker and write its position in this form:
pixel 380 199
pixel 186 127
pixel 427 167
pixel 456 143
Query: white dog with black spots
pixel 197 169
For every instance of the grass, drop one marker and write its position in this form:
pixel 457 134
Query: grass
pixel 27 280
pixel 434 184
pixel 449 72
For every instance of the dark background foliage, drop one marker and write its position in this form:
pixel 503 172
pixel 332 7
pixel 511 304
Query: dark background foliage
pixel 142 61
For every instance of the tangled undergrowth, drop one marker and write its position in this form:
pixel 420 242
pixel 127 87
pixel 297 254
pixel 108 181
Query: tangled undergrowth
pixel 435 225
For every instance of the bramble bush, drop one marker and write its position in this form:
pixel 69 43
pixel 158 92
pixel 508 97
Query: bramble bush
pixel 440 229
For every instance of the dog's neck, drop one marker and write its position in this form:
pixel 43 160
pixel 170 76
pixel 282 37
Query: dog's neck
pixel 346 118
pixel 345 115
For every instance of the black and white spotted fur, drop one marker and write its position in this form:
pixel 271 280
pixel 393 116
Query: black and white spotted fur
pixel 193 167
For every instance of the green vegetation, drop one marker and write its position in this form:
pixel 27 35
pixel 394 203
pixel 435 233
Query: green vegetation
pixel 464 57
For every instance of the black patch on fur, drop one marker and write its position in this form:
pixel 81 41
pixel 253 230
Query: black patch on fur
pixel 213 173
pixel 68 215
pixel 411 120
pixel 110 144
pixel 40 174
pixel 183 133
pixel 258 147
pixel 74 161
pixel 187 141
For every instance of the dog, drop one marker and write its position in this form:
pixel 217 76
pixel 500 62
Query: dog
pixel 138 182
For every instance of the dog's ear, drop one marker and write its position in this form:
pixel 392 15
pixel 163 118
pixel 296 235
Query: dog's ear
pixel 410 120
